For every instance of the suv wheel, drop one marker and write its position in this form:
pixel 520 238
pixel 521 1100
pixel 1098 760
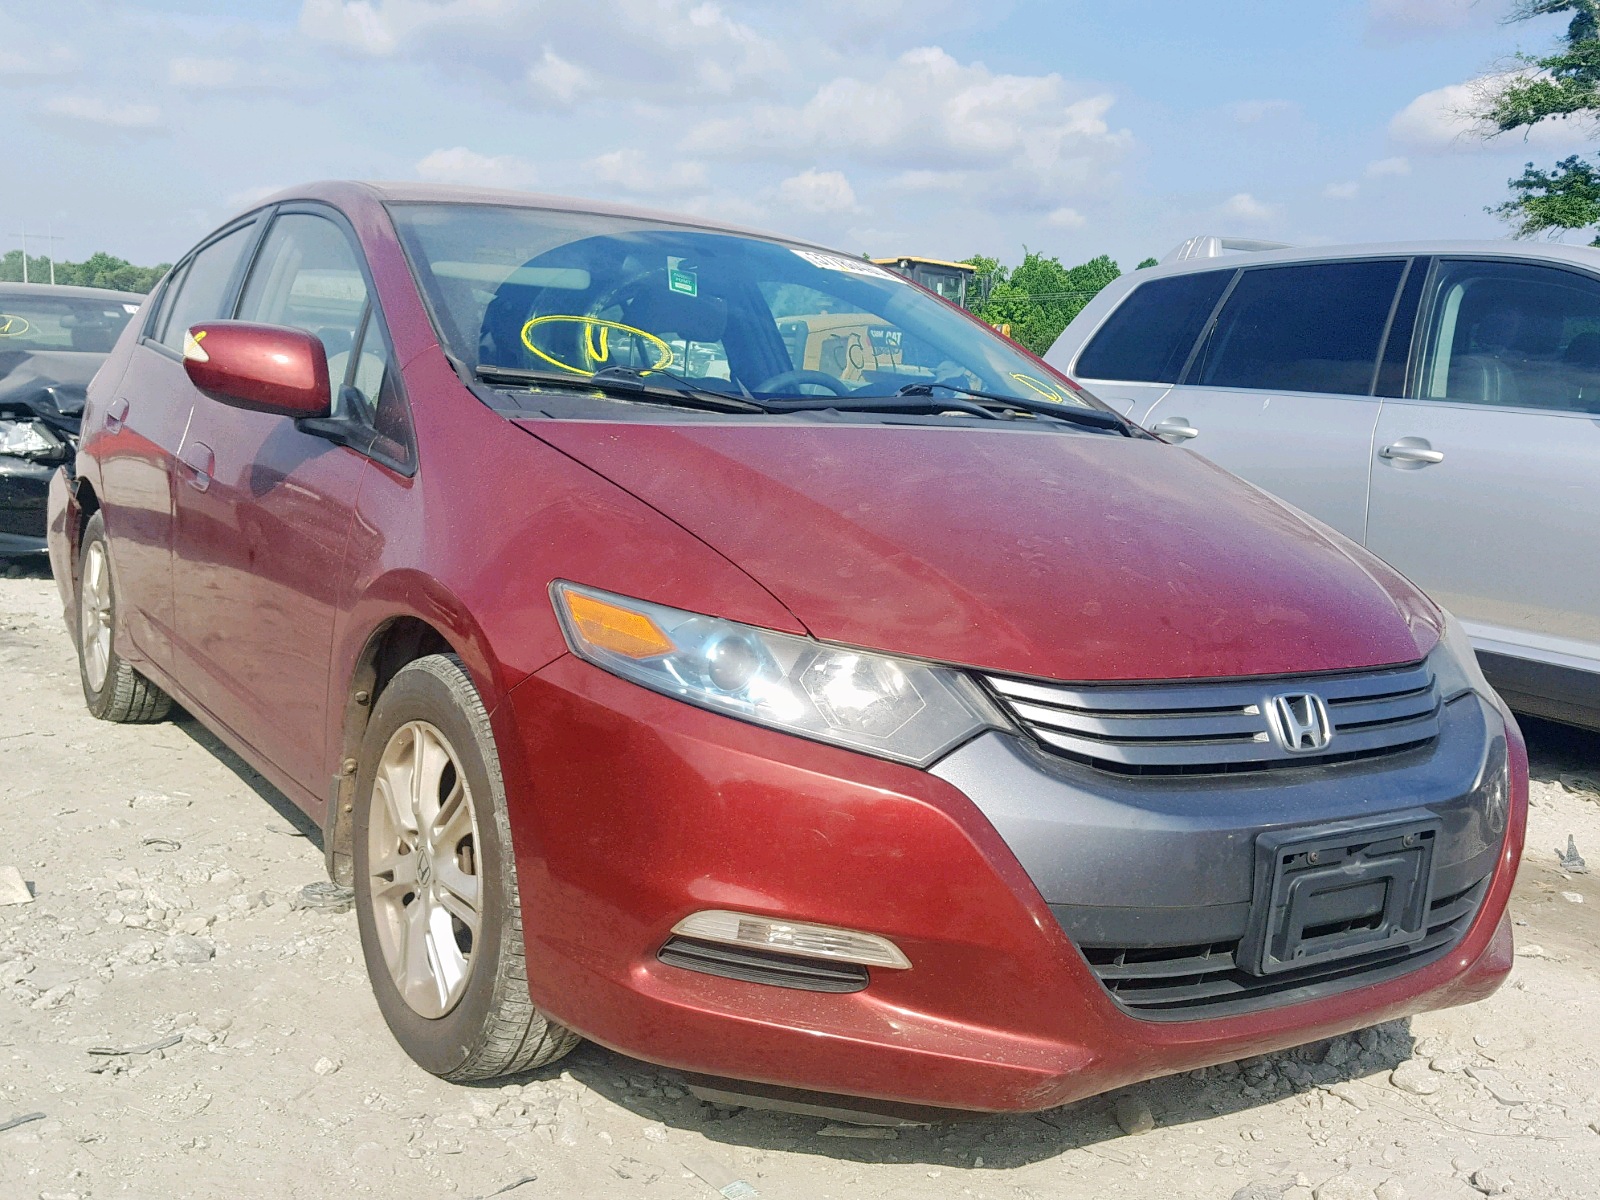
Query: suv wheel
pixel 436 882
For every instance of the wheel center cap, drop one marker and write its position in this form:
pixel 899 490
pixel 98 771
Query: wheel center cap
pixel 424 871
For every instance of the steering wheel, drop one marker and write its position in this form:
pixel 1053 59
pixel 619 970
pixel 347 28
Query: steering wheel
pixel 788 380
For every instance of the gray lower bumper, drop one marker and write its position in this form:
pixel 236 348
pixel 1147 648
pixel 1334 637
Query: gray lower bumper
pixel 1171 860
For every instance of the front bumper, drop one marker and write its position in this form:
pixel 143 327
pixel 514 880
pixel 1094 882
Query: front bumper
pixel 631 810
pixel 24 487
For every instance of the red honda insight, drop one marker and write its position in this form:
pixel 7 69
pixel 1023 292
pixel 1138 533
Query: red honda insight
pixel 721 648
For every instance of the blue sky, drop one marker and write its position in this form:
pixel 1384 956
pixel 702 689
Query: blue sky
pixel 940 127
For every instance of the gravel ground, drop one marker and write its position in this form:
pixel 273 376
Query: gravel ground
pixel 166 925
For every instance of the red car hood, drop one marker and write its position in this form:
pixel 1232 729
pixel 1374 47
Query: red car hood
pixel 1050 554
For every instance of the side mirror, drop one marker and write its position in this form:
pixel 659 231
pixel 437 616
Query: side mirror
pixel 263 368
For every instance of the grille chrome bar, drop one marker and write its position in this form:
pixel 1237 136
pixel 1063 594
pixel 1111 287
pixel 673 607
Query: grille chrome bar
pixel 1222 725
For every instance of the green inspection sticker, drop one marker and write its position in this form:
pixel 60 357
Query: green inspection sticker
pixel 679 280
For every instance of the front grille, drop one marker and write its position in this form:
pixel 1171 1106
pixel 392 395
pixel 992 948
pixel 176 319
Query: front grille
pixel 1187 983
pixel 763 966
pixel 1221 726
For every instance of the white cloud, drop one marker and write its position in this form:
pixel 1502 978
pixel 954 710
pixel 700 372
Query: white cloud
pixel 19 63
pixel 818 192
pixel 1251 112
pixel 91 110
pixel 677 51
pixel 1443 120
pixel 1388 166
pixel 460 165
pixel 635 171
pixel 1067 218
pixel 1242 206
pixel 1341 191
pixel 228 74
pixel 1025 139
pixel 1440 119
pixel 365 26
pixel 1426 16
pixel 556 79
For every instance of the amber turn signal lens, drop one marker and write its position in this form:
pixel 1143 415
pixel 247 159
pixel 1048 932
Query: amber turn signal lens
pixel 620 630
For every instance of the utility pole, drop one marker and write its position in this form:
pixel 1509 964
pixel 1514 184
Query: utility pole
pixel 50 236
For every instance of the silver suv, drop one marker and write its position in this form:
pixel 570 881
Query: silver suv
pixel 1437 402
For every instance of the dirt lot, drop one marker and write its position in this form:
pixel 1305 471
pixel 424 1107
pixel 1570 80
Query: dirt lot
pixel 166 879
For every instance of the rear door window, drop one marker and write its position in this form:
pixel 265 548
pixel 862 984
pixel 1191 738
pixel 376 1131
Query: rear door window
pixel 1315 327
pixel 1149 336
pixel 206 289
pixel 1514 335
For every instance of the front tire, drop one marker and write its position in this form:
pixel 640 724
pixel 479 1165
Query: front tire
pixel 113 690
pixel 436 883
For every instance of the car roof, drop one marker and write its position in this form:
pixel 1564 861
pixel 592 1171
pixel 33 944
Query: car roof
pixel 69 291
pixel 345 193
pixel 1583 256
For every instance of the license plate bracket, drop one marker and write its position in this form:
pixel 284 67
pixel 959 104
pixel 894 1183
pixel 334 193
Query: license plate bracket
pixel 1339 890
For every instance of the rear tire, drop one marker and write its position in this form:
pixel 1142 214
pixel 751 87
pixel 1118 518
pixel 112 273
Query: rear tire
pixel 113 690
pixel 436 883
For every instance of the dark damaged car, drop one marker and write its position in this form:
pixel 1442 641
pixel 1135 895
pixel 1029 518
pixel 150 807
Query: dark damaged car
pixel 52 341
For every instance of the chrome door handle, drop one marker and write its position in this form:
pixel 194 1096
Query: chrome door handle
pixel 1412 450
pixel 1174 429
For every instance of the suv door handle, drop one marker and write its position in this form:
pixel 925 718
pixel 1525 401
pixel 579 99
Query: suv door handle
pixel 198 458
pixel 116 414
pixel 1174 429
pixel 1413 451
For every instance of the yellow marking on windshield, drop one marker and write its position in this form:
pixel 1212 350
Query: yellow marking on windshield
pixel 11 326
pixel 595 341
pixel 1040 386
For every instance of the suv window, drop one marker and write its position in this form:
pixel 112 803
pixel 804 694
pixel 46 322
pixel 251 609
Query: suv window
pixel 1307 328
pixel 1514 334
pixel 203 292
pixel 1149 336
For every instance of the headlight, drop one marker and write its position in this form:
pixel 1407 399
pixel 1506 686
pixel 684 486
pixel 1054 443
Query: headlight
pixel 25 439
pixel 1455 664
pixel 891 707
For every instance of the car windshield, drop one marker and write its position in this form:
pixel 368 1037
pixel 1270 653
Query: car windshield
pixel 568 295
pixel 34 321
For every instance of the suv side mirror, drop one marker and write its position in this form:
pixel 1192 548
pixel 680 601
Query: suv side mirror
pixel 263 368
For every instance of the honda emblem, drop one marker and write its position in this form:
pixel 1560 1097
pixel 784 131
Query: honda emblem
pixel 1300 722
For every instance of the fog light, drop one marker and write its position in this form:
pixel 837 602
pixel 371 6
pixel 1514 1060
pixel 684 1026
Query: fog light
pixel 793 937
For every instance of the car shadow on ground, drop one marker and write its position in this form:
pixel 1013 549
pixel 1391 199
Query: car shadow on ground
pixel 25 566
pixel 1350 1066
pixel 303 825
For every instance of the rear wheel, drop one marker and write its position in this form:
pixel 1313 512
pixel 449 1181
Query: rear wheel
pixel 113 690
pixel 436 883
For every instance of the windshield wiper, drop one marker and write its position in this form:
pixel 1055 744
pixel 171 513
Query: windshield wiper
pixel 626 383
pixel 1092 418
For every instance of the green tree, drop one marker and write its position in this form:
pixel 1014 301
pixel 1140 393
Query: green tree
pixel 99 270
pixel 1563 84
pixel 1149 262
pixel 1039 296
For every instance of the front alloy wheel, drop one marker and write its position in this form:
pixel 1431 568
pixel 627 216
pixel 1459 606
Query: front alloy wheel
pixel 436 882
pixel 422 868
